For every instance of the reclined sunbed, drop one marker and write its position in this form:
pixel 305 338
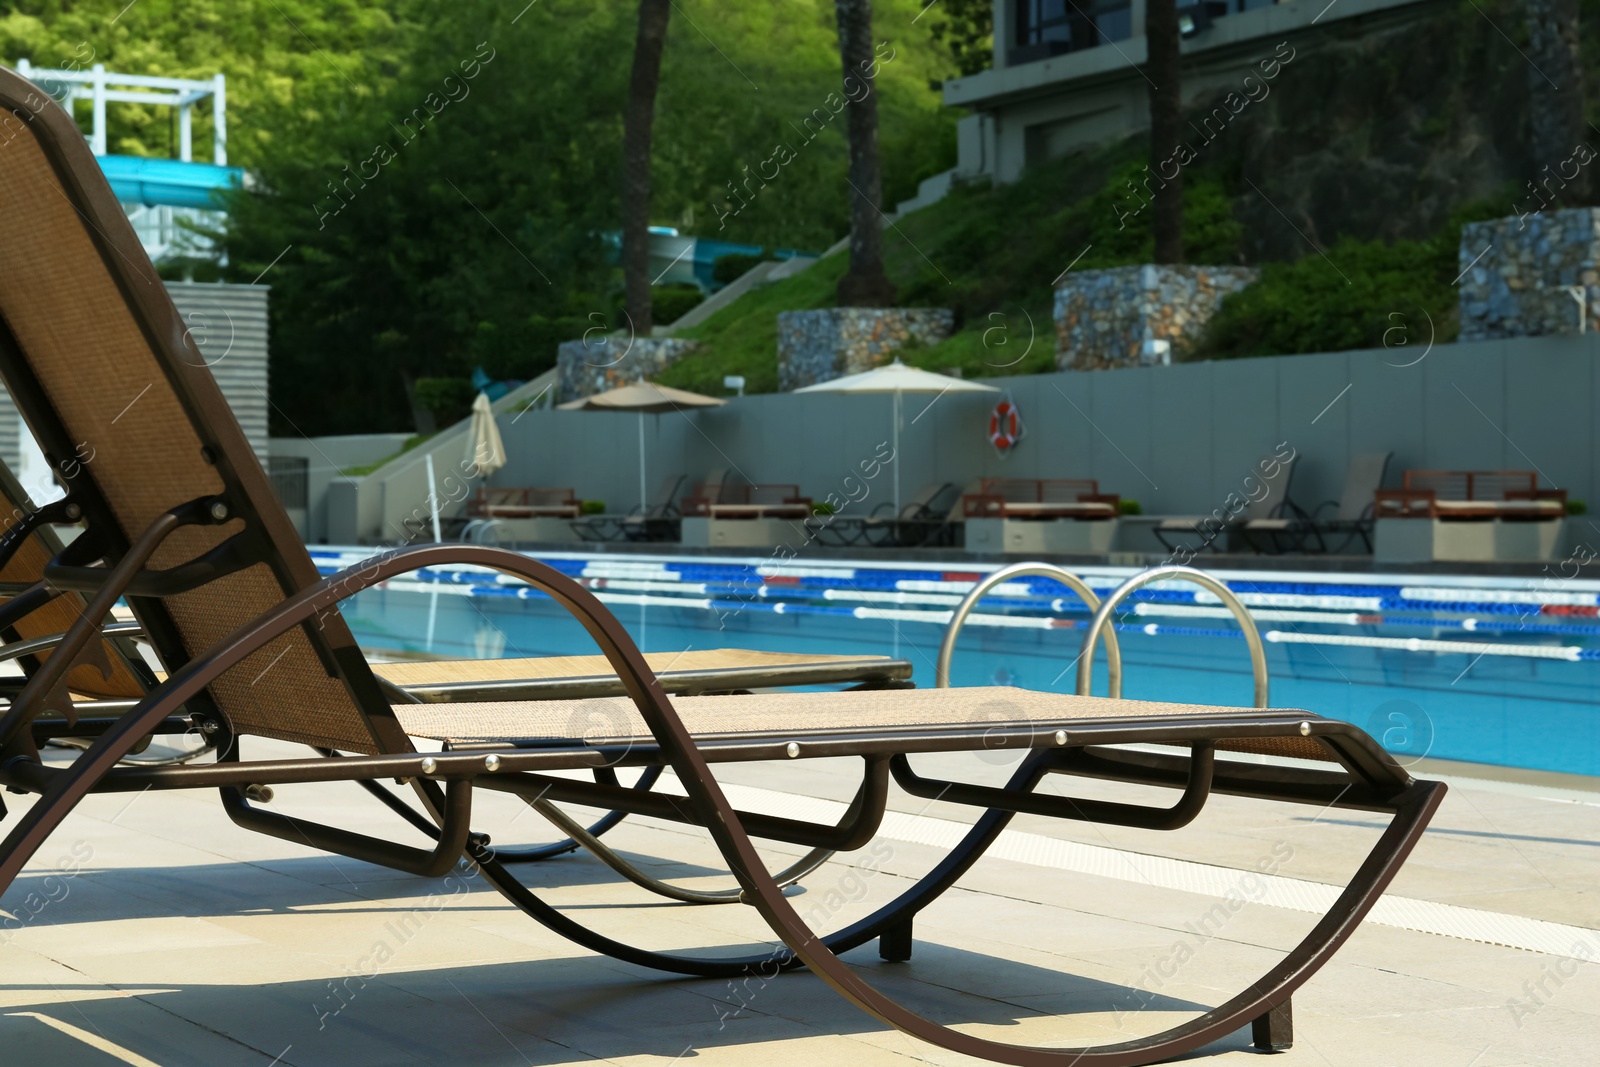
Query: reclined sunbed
pixel 181 522
pixel 654 520
pixel 1352 514
pixel 1261 504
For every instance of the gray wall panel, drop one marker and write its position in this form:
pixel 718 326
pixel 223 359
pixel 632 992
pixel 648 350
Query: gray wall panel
pixel 1194 430
pixel 1384 407
pixel 1319 433
pixel 1548 414
pixel 1245 422
pixel 1121 420
pixel 1464 407
pixel 1181 460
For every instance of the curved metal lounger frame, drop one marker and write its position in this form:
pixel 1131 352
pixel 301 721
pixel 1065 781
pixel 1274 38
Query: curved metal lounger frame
pixel 1412 803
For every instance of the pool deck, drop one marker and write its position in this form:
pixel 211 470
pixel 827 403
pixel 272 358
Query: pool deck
pixel 176 938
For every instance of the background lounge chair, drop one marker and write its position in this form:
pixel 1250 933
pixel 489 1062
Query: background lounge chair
pixel 654 520
pixel 1269 513
pixel 884 528
pixel 1352 515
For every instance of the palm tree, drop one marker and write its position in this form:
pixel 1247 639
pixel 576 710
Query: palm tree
pixel 1166 104
pixel 636 126
pixel 1555 84
pixel 864 284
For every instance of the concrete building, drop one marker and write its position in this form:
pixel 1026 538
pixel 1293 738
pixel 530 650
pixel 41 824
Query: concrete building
pixel 1068 75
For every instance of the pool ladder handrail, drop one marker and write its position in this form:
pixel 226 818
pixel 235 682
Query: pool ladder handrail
pixel 1100 622
pixel 958 619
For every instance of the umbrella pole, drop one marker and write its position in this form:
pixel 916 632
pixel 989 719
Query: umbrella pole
pixel 896 448
pixel 643 503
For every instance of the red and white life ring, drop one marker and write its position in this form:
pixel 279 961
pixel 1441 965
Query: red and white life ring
pixel 1005 426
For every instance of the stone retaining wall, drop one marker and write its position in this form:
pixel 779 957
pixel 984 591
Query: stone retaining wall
pixel 1530 276
pixel 599 363
pixel 1120 317
pixel 817 346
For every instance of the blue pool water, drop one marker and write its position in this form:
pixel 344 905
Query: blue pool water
pixel 1497 671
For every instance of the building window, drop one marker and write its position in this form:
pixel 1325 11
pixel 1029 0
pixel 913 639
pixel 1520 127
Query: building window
pixel 1048 28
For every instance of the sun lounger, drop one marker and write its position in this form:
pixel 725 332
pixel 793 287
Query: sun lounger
pixel 181 521
pixel 1261 502
pixel 1352 515
pixel 746 501
pixel 495 503
pixel 110 669
pixel 655 520
pixel 1041 499
pixel 1471 496
pixel 884 527
pixel 940 523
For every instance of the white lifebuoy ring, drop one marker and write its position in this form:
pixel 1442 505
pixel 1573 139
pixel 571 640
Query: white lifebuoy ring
pixel 1004 426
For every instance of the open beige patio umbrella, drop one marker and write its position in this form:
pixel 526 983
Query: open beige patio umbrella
pixel 646 398
pixel 897 378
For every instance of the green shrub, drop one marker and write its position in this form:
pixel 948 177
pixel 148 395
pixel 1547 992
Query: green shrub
pixel 447 398
pixel 732 267
pixel 592 507
pixel 1354 294
pixel 822 507
pixel 1129 507
pixel 1577 507
pixel 669 303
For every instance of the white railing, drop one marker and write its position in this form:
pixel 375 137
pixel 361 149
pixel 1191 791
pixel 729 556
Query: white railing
pixel 96 86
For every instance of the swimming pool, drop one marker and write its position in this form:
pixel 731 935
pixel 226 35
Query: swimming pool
pixel 1489 670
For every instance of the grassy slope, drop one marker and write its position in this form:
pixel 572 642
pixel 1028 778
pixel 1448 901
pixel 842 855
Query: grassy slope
pixel 991 254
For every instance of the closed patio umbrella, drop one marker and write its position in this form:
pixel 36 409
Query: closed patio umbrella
pixel 897 378
pixel 486 452
pixel 644 397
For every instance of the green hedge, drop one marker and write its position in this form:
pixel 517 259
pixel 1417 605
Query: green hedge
pixel 1354 294
pixel 669 303
pixel 732 267
pixel 448 398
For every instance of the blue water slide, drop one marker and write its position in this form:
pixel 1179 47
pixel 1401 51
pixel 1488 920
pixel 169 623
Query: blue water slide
pixel 169 182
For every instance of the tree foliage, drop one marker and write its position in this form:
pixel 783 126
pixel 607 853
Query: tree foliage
pixel 412 227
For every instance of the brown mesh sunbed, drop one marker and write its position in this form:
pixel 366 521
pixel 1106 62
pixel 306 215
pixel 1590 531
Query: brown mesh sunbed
pixel 108 669
pixel 181 523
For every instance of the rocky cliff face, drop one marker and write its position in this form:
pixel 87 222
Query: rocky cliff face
pixel 1379 131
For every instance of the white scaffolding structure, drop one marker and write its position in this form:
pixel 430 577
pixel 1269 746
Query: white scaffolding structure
pixel 101 88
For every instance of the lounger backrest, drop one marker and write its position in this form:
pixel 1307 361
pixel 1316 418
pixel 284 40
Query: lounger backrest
pixel 1278 482
pixel 1066 490
pixel 1493 485
pixel 116 392
pixel 1012 490
pixel 957 512
pixel 102 673
pixel 1445 485
pixel 1361 482
pixel 665 496
pixel 551 498
pixel 944 499
pixel 774 494
pixel 924 496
